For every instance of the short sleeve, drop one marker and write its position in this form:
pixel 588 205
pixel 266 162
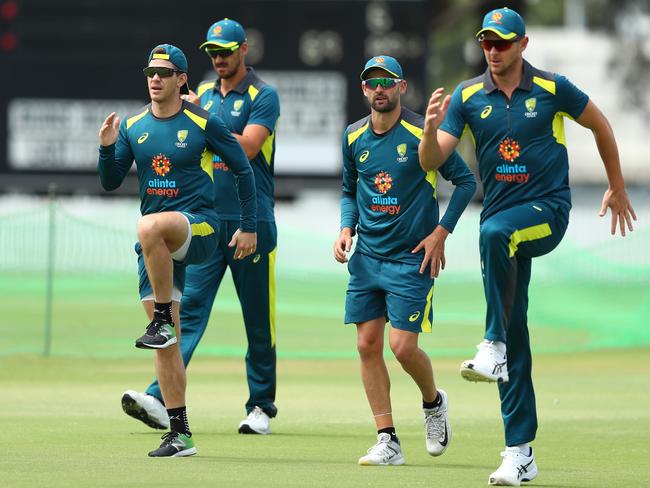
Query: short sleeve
pixel 570 98
pixel 265 109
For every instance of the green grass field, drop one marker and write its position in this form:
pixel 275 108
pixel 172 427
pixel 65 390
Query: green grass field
pixel 63 426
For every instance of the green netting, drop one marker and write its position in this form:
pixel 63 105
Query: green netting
pixel 591 292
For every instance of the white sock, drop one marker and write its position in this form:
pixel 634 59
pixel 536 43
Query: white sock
pixel 524 449
pixel 500 346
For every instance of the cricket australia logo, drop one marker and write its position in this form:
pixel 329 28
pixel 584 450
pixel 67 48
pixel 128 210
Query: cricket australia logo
pixel 401 153
pixel 236 112
pixel 207 105
pixel 181 135
pixel 530 103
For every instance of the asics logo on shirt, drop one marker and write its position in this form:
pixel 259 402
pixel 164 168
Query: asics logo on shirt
pixel 364 156
pixel 486 112
pixel 143 137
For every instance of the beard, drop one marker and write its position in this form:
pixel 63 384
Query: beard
pixel 229 71
pixel 389 105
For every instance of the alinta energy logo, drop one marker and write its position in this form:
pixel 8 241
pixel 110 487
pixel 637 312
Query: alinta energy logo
pixel 218 164
pixel 160 187
pixel 511 172
pixel 381 203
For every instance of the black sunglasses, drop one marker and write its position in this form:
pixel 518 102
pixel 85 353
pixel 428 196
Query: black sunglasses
pixel 161 71
pixel 224 53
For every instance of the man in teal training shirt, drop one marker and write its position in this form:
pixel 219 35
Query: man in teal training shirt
pixel 250 108
pixel 515 114
pixel 172 142
pixel 392 205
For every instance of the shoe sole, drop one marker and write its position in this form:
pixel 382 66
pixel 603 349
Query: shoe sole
pixel 470 374
pixel 132 409
pixel 142 345
pixel 246 429
pixel 185 452
pixel 398 462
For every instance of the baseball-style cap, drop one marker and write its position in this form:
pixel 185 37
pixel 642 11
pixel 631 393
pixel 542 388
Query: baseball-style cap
pixel 387 63
pixel 504 22
pixel 174 56
pixel 226 34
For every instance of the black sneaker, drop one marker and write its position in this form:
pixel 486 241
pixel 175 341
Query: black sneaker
pixel 158 335
pixel 175 444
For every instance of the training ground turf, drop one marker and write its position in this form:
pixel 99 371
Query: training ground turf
pixel 62 425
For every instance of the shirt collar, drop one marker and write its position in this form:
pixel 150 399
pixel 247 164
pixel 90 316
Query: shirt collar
pixel 526 82
pixel 243 85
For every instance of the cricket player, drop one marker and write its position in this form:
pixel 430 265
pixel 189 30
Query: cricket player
pixel 515 114
pixel 392 205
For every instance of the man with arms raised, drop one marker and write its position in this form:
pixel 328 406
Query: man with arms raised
pixel 515 115
pixel 171 142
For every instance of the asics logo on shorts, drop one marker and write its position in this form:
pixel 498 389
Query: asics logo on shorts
pixel 414 316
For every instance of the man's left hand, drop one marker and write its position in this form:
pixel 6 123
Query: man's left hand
pixel 434 251
pixel 245 243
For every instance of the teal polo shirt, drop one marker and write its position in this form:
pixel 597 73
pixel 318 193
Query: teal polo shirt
pixel 251 102
pixel 520 142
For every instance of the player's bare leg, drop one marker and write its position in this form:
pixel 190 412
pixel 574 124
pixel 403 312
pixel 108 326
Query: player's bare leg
pixel 376 382
pixel 417 364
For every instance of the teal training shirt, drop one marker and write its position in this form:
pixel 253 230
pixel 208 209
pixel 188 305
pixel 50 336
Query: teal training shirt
pixel 387 197
pixel 173 159
pixel 251 102
pixel 520 143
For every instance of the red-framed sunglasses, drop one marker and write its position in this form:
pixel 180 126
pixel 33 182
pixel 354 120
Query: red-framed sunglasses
pixel 498 44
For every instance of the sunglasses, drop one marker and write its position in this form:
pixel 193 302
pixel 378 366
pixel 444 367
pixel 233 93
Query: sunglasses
pixel 162 72
pixel 498 44
pixel 224 53
pixel 385 83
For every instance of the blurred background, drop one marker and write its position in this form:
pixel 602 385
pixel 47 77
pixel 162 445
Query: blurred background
pixel 68 277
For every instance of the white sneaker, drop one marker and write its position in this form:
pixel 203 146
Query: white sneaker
pixel 257 422
pixel 386 452
pixel 515 468
pixel 489 364
pixel 145 408
pixel 437 429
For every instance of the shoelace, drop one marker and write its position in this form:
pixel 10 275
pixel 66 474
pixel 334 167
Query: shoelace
pixel 153 328
pixel 435 424
pixel 382 448
pixel 256 412
pixel 169 438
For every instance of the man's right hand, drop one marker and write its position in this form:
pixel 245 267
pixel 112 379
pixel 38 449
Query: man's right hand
pixel 192 98
pixel 342 245
pixel 436 111
pixel 109 130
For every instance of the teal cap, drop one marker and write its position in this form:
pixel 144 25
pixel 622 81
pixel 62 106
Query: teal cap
pixel 504 22
pixel 382 61
pixel 174 56
pixel 225 34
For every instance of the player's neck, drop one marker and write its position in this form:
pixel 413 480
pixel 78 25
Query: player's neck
pixel 231 83
pixel 384 121
pixel 166 108
pixel 509 80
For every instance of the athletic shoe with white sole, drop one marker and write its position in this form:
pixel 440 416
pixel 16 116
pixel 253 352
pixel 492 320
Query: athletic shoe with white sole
pixel 145 408
pixel 515 468
pixel 489 364
pixel 158 335
pixel 257 422
pixel 385 453
pixel 437 429
pixel 175 444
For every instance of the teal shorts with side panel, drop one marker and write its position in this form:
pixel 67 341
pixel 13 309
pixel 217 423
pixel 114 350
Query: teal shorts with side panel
pixel 205 227
pixel 397 291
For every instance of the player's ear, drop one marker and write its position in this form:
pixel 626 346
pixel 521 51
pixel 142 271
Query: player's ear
pixel 402 87
pixel 182 79
pixel 244 48
pixel 523 43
